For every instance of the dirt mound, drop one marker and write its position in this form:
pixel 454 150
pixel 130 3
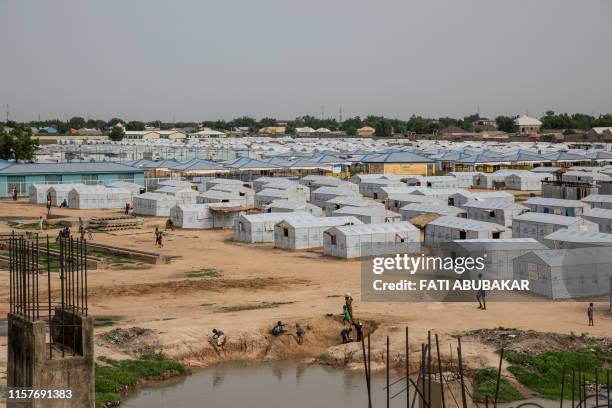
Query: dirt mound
pixel 321 335
pixel 134 341
pixel 192 285
pixel 533 342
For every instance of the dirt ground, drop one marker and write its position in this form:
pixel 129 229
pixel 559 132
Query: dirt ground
pixel 258 285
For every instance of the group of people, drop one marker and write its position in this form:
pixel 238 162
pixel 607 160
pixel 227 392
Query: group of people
pixel 348 318
pixel 279 329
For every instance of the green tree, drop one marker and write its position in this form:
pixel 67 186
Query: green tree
pixel 76 122
pixel 382 128
pixel 506 124
pixel 135 125
pixel 18 145
pixel 116 134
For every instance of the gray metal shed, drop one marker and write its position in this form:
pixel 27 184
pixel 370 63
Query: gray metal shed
pixel 498 255
pixel 573 238
pixel 356 241
pixel 500 212
pixel 449 228
pixel 539 225
pixel 570 208
pixel 306 232
pixel 600 216
pixel 566 273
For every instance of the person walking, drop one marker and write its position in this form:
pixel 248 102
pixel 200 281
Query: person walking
pixel 590 314
pixel 14 193
pixel 156 236
pixel 480 296
pixel 299 333
pixel 127 209
pixel 40 223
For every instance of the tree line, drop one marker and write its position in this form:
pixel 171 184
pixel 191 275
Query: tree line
pixel 383 126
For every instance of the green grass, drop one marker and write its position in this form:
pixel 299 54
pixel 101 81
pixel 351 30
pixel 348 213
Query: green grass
pixel 543 373
pixel 263 305
pixel 485 383
pixel 115 376
pixel 203 273
pixel 103 321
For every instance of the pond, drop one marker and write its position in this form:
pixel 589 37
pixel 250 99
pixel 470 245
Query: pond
pixel 255 385
pixel 239 384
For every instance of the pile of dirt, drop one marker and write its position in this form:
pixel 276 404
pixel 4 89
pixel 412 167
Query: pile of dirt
pixel 134 341
pixel 536 343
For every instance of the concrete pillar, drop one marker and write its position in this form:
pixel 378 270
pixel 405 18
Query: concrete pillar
pixel 31 364
pixel 452 392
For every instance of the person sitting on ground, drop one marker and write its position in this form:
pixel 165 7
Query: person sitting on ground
pixel 218 337
pixel 346 316
pixel 169 225
pixel 64 204
pixel 346 335
pixel 299 333
pixel 278 329
pixel 358 330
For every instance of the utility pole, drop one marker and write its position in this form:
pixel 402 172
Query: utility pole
pixel 7 112
pixel 340 116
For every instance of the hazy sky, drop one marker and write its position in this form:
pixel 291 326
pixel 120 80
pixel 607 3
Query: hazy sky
pixel 204 59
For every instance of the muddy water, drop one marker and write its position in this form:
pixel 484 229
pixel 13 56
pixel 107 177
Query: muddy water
pixel 264 385
pixel 234 385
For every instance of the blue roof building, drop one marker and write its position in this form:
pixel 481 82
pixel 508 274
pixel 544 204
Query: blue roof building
pixel 23 175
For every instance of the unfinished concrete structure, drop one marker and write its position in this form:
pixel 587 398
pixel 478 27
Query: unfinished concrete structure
pixel 50 335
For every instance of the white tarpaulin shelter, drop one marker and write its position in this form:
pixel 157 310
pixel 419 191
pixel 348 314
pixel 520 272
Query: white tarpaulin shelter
pixel 98 197
pixel 156 204
pixel 59 192
pixel 253 228
pixel 356 241
pixel 304 233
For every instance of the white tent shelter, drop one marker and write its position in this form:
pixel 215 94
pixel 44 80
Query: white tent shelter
pixel 356 241
pixel 59 192
pixel 253 228
pixel 306 232
pixel 449 228
pixel 369 215
pixel 98 197
pixel 156 204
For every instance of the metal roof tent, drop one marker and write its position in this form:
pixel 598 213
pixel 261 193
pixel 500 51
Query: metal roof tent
pixel 216 196
pixel 335 203
pixel 572 238
pixel 600 216
pixel 412 210
pixel 205 216
pixel 498 254
pixel 181 194
pixel 321 195
pixel 268 195
pixel 566 273
pixel 356 241
pixel 448 228
pixel 556 206
pixel 599 201
pixel 371 188
pixel 539 225
pixel 293 206
pixel 305 233
pixel 253 228
pixel 369 215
